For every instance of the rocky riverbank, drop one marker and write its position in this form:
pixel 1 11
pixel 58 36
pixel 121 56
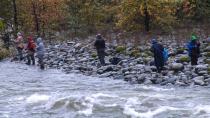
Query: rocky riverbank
pixel 136 63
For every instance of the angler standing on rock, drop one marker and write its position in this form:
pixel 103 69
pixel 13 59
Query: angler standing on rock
pixel 157 50
pixel 100 47
pixel 19 45
pixel 31 46
pixel 194 50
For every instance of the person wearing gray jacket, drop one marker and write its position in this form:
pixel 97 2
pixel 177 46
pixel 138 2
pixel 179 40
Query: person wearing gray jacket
pixel 40 51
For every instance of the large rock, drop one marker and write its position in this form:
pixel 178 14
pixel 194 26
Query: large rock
pixel 171 80
pixel 207 49
pixel 108 68
pixel 176 66
pixel 78 46
pixel 141 78
pixel 129 77
pixel 201 67
pixel 199 80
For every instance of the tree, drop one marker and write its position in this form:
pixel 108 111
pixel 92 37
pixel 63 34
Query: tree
pixel 15 16
pixel 134 13
pixel 40 15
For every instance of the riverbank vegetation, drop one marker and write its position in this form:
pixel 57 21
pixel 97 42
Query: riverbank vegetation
pixel 76 18
pixel 4 53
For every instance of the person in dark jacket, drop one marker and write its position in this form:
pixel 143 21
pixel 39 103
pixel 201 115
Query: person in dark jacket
pixel 100 47
pixel 31 46
pixel 157 50
pixel 194 50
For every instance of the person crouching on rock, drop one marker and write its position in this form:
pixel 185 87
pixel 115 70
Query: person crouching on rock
pixel 30 47
pixel 100 47
pixel 193 50
pixel 40 50
pixel 157 50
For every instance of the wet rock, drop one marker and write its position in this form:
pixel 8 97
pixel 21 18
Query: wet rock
pixel 171 80
pixel 108 74
pixel 141 78
pixel 200 73
pixel 153 68
pixel 78 46
pixel 148 82
pixel 115 60
pixel 199 80
pixel 70 43
pixel 201 69
pixel 148 69
pixel 129 77
pixel 108 68
pixel 118 77
pixel 180 83
pixel 177 66
pixel 207 49
pixel 134 81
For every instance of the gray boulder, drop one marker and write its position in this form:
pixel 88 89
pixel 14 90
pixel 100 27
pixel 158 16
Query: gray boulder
pixel 176 66
pixel 207 49
pixel 199 80
pixel 108 68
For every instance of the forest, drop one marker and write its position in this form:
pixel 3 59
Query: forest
pixel 81 18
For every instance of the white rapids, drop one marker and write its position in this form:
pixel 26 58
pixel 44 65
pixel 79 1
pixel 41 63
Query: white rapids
pixel 27 92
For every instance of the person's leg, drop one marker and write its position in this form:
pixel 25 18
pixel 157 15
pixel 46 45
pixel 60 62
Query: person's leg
pixel 101 56
pixel 101 59
pixel 41 62
pixel 193 60
pixel 20 55
pixel 33 58
pixel 196 61
pixel 28 59
pixel 158 69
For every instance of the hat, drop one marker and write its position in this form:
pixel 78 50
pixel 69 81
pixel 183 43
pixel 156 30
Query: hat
pixel 154 41
pixel 193 38
pixel 19 34
pixel 98 36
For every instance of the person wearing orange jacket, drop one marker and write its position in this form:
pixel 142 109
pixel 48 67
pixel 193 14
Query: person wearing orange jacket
pixel 19 45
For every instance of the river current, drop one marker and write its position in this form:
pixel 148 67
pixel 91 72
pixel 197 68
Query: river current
pixel 27 92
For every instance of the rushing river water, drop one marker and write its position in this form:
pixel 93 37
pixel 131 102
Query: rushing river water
pixel 27 92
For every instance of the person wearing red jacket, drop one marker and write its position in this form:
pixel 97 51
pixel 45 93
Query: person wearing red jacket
pixel 30 47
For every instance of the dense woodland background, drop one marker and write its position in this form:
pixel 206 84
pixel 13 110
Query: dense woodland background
pixel 81 18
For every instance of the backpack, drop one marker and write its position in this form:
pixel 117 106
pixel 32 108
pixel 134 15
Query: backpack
pixel 32 45
pixel 165 55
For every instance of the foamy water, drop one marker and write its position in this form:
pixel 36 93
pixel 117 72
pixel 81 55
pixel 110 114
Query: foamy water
pixel 27 92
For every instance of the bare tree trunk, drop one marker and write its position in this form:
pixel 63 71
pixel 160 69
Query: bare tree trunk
pixel 43 22
pixel 15 17
pixel 36 20
pixel 146 18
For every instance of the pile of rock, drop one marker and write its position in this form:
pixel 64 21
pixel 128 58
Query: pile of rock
pixel 135 64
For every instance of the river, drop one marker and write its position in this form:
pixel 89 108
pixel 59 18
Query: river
pixel 27 92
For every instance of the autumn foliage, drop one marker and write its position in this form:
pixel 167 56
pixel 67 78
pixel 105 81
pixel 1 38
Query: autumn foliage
pixel 91 16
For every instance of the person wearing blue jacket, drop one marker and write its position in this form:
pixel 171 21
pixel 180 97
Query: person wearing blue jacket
pixel 193 50
pixel 40 51
pixel 157 50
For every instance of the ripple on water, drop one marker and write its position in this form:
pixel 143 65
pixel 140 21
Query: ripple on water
pixel 27 92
